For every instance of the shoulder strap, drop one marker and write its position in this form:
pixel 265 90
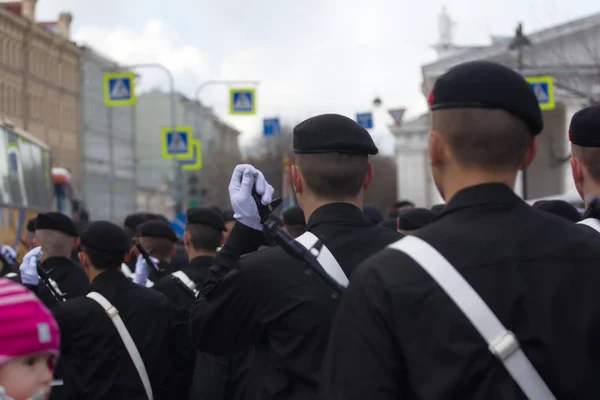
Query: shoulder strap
pixel 182 276
pixel 592 223
pixel 113 314
pixel 55 286
pixel 126 270
pixel 325 258
pixel 501 342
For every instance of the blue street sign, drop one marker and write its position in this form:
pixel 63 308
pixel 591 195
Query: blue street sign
pixel 177 144
pixel 271 126
pixel 543 87
pixel 365 120
pixel 242 101
pixel 119 89
pixel 178 224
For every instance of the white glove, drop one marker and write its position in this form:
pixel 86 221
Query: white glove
pixel 9 254
pixel 142 270
pixel 28 268
pixel 244 178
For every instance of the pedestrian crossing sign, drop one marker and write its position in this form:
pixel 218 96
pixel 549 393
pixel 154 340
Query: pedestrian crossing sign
pixel 194 162
pixel 177 145
pixel 543 87
pixel 119 89
pixel 242 101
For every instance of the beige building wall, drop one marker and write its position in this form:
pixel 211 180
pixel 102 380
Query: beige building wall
pixel 39 81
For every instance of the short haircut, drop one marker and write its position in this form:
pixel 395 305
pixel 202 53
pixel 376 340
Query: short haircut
pixel 590 158
pixel 489 139
pixel 55 243
pixel 103 260
pixel 160 248
pixel 333 175
pixel 295 230
pixel 204 237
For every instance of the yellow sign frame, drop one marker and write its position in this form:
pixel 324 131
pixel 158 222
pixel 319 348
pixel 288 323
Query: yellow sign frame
pixel 548 80
pixel 119 75
pixel 233 92
pixel 165 147
pixel 197 145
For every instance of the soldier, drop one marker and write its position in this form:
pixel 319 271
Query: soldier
pixel 56 234
pixel 495 299
pixel 293 221
pixel 121 341
pixel 203 232
pixel 268 299
pixel 159 240
pixel 130 225
pixel 585 161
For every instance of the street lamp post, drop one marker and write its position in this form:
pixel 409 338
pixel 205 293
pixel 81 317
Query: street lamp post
pixel 178 177
pixel 205 84
pixel 518 43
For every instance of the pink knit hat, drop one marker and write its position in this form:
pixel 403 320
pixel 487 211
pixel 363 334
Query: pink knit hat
pixel 26 325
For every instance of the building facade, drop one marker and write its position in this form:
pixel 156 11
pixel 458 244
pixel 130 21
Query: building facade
pixel 39 81
pixel 156 177
pixel 569 53
pixel 107 145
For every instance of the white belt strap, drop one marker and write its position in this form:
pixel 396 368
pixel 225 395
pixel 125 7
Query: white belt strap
pixel 113 313
pixel 592 223
pixel 185 279
pixel 55 286
pixel 501 342
pixel 324 257
pixel 126 271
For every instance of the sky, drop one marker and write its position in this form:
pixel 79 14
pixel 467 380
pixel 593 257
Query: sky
pixel 309 57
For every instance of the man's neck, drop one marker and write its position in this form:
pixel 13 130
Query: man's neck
pixel 200 253
pixel 469 178
pixel 309 206
pixel 591 192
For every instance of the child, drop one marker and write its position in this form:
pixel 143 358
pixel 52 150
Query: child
pixel 29 344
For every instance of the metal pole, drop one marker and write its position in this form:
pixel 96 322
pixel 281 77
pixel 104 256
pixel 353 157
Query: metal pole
pixel 176 193
pixel 524 172
pixel 203 85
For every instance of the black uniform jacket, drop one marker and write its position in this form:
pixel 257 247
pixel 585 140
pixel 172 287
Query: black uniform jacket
pixel 215 377
pixel 70 278
pixel 96 364
pixel 397 335
pixel 270 299
pixel 196 270
pixel 164 269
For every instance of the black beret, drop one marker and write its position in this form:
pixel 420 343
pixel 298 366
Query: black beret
pixel 105 237
pixel 57 222
pixel 134 220
pixel 560 208
pixel 157 229
pixel 415 218
pixel 486 84
pixel 157 217
pixel 585 127
pixel 31 225
pixel 373 214
pixel 293 216
pixel 228 215
pixel 332 133
pixel 404 203
pixel 205 216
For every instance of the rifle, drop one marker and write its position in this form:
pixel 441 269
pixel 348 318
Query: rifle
pixel 289 244
pixel 58 296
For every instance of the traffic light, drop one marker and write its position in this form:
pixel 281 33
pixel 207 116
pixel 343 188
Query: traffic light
pixel 193 188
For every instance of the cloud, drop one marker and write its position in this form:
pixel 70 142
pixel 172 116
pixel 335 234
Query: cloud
pixel 155 43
